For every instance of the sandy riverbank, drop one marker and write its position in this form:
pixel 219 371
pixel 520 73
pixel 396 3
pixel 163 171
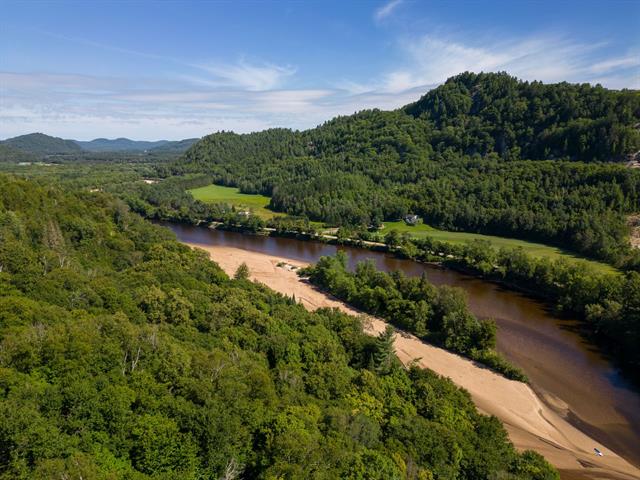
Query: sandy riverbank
pixel 531 423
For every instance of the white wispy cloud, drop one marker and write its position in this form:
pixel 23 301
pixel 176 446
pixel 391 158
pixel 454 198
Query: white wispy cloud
pixel 245 75
pixel 83 107
pixel 550 58
pixel 629 61
pixel 242 74
pixel 387 9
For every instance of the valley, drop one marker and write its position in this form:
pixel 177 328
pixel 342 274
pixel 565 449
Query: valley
pixel 429 273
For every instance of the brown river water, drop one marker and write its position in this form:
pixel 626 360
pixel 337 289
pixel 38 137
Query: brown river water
pixel 568 372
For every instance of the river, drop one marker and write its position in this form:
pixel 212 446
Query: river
pixel 564 369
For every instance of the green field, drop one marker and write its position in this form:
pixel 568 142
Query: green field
pixel 232 196
pixel 535 249
pixel 258 204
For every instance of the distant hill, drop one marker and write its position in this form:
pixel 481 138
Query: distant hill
pixel 119 145
pixel 127 145
pixel 179 146
pixel 41 144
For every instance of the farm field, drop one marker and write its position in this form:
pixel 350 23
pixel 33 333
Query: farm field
pixel 232 196
pixel 535 249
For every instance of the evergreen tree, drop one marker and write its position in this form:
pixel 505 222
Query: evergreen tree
pixel 384 355
pixel 242 272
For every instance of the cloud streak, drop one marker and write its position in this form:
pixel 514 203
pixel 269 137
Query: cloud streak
pixel 431 59
pixel 386 10
pixel 245 75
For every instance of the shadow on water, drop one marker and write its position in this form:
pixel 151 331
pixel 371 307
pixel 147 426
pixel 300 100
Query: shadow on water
pixel 552 351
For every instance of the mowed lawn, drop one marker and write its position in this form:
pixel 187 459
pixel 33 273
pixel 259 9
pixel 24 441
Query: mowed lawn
pixel 232 196
pixel 535 249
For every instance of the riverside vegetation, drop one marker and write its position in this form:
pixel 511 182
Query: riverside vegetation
pixel 605 299
pixel 124 354
pixel 438 315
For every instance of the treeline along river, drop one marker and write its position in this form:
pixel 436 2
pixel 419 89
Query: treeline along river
pixel 562 366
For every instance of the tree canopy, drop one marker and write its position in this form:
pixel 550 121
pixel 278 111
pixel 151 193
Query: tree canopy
pixel 124 354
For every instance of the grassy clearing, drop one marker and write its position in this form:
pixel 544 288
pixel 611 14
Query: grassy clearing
pixel 258 204
pixel 535 249
pixel 232 196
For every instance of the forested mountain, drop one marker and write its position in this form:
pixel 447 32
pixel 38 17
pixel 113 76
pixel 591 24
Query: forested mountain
pixel 483 153
pixel 487 113
pixel 124 144
pixel 41 144
pixel 118 144
pixel 124 354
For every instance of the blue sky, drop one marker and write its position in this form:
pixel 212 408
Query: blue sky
pixel 177 69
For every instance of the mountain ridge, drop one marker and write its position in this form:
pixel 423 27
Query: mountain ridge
pixel 41 144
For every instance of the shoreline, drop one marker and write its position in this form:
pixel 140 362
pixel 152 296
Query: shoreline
pixel 531 420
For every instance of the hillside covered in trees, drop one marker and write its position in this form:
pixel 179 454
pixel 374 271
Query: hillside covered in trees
pixel 127 145
pixel 41 144
pixel 38 145
pixel 124 354
pixel 11 154
pixel 489 113
pixel 483 153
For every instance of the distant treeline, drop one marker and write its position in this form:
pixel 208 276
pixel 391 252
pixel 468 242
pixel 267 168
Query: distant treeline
pixel 481 153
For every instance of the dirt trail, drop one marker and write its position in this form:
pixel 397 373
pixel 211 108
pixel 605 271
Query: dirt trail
pixel 531 422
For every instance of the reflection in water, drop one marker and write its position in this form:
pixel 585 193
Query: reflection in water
pixel 556 359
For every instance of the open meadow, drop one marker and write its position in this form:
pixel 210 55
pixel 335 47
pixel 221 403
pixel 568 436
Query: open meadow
pixel 232 196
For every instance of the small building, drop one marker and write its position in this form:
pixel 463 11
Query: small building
pixel 411 219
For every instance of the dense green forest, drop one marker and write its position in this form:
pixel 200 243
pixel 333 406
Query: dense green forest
pixel 482 153
pixel 124 354
pixel 602 301
pixel 11 154
pixel 439 315
pixel 489 113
